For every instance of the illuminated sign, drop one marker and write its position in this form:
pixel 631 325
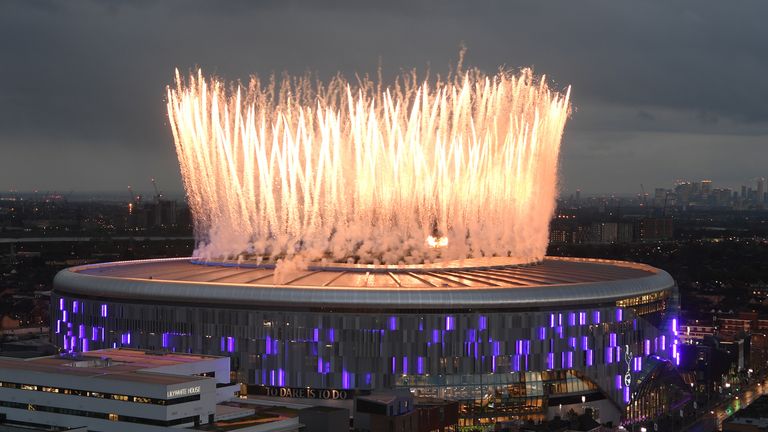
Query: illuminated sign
pixel 303 392
pixel 187 391
pixel 628 359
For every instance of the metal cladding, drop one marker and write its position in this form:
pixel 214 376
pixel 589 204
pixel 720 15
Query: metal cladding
pixel 456 330
pixel 553 282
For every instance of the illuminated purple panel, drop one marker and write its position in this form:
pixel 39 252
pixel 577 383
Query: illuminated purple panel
pixel 230 344
pixel 94 333
pixel 101 329
pixel 421 325
pixel 559 330
pixel 516 363
pixel 345 379
pixel 327 366
pixel 420 365
pixel 64 316
pixel 103 311
pixel 222 344
pixel 619 315
pixel 85 344
pixel 542 333
pixel 405 365
pixel 493 364
pixel 570 359
pixel 449 323
pixel 319 365
pixel 315 334
pixel 550 361
pixel 368 379
pixel 332 335
pixel 496 348
pixel 571 318
pixel 608 355
pixel 519 346
pixel 618 353
pixel 559 319
pixel 584 342
pixel 596 317
pixel 392 323
pixel 551 320
pixel 58 326
pixel 267 345
pixel 114 344
pixel 66 343
pixel 663 343
pixel 572 342
pixel 674 326
pixel 619 381
pixel 526 350
pixel 61 304
pixel 393 364
pixel 281 377
pixel 482 323
pixel 647 347
pixel 165 340
pixel 75 306
pixel 435 336
pixel 655 344
pixel 471 336
pixel 582 318
pixel 612 339
pixel 81 331
pixel 272 377
pixel 626 395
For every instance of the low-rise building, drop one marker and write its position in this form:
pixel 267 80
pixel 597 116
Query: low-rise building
pixel 119 390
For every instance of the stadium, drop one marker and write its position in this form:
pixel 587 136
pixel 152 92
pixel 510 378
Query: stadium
pixel 506 340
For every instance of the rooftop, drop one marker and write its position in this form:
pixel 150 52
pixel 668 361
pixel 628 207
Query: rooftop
pixel 487 282
pixel 112 364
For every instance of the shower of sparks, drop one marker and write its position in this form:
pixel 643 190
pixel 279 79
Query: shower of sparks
pixel 367 173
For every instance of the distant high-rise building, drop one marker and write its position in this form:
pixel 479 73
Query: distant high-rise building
pixel 760 190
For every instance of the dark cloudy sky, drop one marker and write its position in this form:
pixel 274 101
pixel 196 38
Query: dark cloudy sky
pixel 662 89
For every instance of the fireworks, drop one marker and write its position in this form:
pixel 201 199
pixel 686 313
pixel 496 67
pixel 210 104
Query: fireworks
pixel 369 173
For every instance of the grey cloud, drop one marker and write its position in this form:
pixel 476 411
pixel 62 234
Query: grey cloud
pixel 89 76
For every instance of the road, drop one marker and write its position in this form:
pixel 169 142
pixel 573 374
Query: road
pixel 714 419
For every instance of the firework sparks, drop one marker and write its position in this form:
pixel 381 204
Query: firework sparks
pixel 367 173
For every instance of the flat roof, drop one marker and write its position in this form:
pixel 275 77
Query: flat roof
pixel 111 364
pixel 489 281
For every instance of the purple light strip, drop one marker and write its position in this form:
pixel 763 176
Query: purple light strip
pixel 103 311
pixel 482 323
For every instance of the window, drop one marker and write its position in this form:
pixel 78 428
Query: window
pixel 114 417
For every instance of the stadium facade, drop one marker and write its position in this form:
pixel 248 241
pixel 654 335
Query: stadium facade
pixel 505 340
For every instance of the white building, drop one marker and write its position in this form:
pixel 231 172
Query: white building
pixel 117 390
